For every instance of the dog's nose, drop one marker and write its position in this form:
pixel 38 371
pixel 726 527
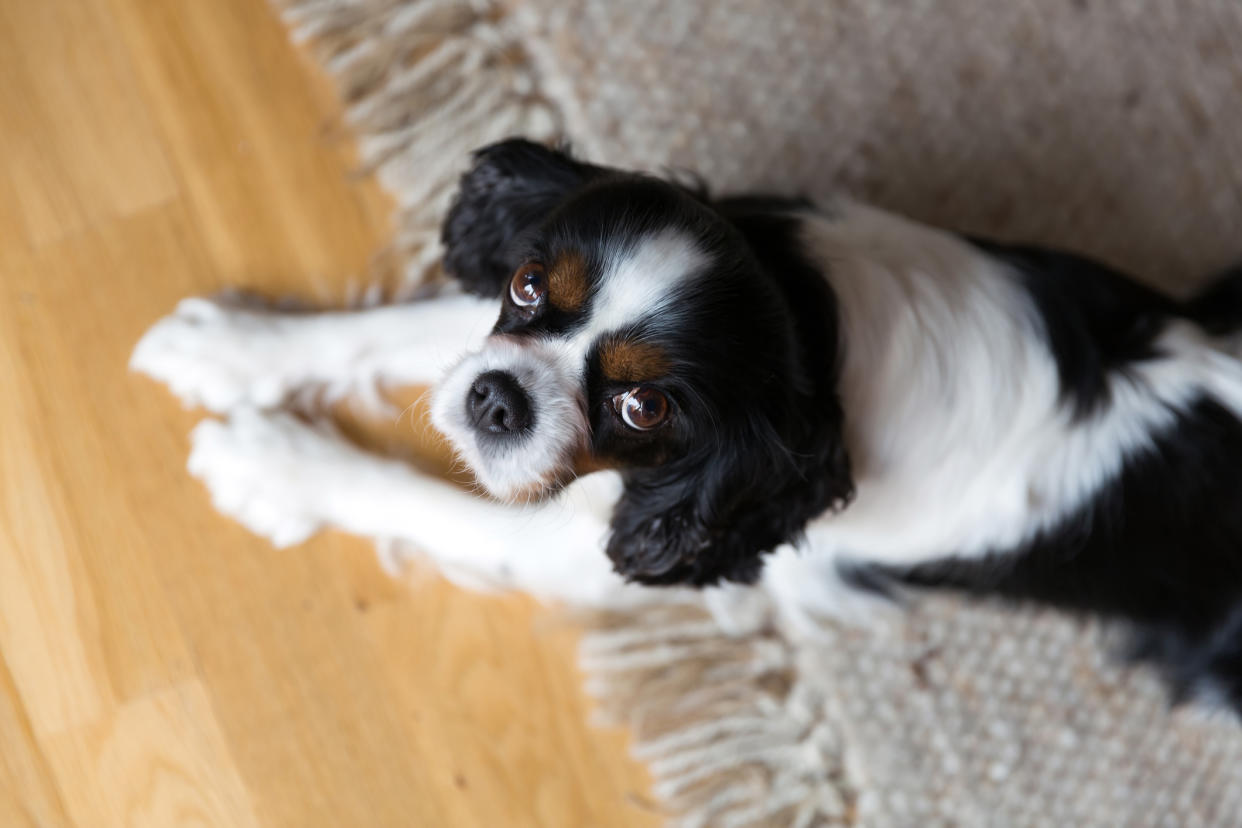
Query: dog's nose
pixel 496 404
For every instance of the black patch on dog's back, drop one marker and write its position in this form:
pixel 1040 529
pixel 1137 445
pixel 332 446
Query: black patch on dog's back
pixel 1097 320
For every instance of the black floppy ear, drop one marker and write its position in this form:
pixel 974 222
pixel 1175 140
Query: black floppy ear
pixel 511 187
pixel 715 518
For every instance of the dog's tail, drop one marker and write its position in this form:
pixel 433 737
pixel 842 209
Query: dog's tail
pixel 1218 307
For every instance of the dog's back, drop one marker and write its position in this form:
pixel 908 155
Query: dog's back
pixel 1092 461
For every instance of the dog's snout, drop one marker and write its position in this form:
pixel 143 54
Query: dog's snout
pixel 497 405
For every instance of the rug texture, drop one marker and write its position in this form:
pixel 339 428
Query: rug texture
pixel 1110 128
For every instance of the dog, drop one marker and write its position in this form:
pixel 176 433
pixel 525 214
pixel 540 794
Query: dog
pixel 827 400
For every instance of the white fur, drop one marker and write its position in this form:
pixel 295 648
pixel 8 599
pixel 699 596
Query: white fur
pixel 638 285
pixel 958 441
pixel 284 479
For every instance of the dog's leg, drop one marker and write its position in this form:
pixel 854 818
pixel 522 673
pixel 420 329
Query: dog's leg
pixel 221 355
pixel 284 478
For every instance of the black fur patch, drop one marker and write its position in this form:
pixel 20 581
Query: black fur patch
pixel 1097 320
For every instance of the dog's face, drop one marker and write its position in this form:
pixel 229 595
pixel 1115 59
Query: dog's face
pixel 637 331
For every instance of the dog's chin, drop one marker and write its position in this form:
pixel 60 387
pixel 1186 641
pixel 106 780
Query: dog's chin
pixel 540 491
pixel 508 478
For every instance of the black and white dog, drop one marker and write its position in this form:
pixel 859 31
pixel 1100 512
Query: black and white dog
pixel 874 402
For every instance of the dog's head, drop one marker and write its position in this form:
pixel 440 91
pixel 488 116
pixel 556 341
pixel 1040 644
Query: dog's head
pixel 639 331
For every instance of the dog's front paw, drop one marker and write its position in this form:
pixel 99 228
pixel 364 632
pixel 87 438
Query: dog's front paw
pixel 271 472
pixel 217 355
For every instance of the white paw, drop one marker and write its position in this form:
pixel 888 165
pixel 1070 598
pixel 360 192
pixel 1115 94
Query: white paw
pixel 808 590
pixel 271 472
pixel 216 355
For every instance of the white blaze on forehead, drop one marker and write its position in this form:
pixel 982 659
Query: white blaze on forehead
pixel 638 283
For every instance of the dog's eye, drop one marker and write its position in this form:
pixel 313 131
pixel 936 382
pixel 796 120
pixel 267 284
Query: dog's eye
pixel 642 408
pixel 529 285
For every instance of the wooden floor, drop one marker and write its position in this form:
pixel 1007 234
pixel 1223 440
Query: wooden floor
pixel 158 665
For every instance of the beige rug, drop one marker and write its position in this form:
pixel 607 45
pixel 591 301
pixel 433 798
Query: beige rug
pixel 1112 127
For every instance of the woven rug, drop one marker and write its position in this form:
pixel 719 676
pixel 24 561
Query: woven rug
pixel 1110 128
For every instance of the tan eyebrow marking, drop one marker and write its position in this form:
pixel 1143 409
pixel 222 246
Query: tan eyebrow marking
pixel 567 282
pixel 626 361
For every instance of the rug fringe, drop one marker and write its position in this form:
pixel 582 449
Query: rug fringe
pixel 731 735
pixel 424 82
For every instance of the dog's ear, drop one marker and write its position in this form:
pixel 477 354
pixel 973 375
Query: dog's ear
pixel 510 189
pixel 713 518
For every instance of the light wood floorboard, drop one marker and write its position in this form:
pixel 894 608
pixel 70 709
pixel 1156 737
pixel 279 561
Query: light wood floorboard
pixel 159 665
